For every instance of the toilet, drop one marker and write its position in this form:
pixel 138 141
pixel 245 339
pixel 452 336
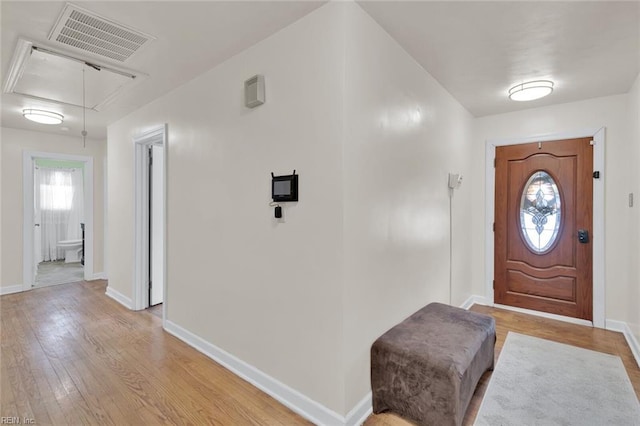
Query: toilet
pixel 72 250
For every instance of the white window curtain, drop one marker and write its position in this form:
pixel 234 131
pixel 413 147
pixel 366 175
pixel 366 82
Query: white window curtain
pixel 59 205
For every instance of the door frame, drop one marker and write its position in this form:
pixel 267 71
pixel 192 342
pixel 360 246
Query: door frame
pixel 156 136
pixel 28 163
pixel 598 236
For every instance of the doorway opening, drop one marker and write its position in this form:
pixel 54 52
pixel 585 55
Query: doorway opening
pixel 596 236
pixel 150 194
pixel 58 219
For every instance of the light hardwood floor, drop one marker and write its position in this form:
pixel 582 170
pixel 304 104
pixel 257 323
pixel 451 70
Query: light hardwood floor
pixel 71 355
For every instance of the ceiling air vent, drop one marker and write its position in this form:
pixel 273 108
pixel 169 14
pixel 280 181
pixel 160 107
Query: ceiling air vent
pixel 89 32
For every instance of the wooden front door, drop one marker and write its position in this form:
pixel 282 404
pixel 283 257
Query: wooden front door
pixel 543 223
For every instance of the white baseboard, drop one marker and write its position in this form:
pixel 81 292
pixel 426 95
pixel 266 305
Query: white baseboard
pixel 98 276
pixel 119 297
pixel 475 300
pixel 10 289
pixel 481 300
pixel 312 410
pixel 360 412
pixel 624 328
pixel 291 398
pixel 468 303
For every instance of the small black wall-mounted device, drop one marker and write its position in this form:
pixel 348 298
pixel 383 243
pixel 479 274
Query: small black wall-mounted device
pixel 284 188
pixel 583 236
pixel 278 212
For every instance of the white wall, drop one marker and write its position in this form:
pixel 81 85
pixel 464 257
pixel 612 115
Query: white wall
pixel 404 133
pixel 1 207
pixel 612 112
pixel 14 142
pixel 266 291
pixel 372 136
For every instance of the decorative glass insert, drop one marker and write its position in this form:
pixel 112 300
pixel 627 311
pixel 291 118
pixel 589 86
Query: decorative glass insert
pixel 540 214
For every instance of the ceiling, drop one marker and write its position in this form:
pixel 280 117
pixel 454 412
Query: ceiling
pixel 476 50
pixel 191 37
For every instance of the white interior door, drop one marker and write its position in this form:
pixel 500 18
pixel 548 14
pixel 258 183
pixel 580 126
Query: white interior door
pixel 156 219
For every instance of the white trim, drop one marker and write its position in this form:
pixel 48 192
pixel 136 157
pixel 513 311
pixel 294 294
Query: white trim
pixel 291 398
pixel 23 51
pixel 599 234
pixel 28 158
pixel 140 257
pixel 481 300
pixel 467 303
pixel 155 136
pixel 475 300
pixel 598 135
pixel 119 297
pixel 360 412
pixel 105 217
pixel 97 276
pixel 10 289
pixel 19 58
pixel 624 328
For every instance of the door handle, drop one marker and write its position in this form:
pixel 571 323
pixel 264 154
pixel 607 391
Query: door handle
pixel 583 236
pixel 36 224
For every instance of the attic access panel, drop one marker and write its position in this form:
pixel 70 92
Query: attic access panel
pixel 56 77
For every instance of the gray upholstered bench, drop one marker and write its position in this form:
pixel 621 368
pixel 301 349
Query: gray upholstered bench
pixel 426 368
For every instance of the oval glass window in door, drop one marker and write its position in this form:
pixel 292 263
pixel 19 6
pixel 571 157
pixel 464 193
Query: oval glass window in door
pixel 540 213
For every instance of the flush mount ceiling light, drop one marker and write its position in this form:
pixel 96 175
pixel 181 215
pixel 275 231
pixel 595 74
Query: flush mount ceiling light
pixel 531 90
pixel 43 117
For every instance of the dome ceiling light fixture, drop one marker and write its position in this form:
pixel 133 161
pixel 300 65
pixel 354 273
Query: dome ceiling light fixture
pixel 43 117
pixel 531 90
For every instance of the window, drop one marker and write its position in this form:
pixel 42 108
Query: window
pixel 540 213
pixel 57 192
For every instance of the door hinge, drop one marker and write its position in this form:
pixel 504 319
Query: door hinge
pixel 494 284
pixel 494 162
pixel 494 227
pixel 150 284
pixel 596 175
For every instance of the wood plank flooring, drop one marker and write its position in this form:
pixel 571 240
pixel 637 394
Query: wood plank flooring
pixel 71 355
pixel 577 335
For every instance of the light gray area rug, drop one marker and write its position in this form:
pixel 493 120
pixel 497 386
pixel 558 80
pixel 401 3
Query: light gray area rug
pixel 539 382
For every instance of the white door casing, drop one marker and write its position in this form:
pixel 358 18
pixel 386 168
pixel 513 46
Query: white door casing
pixel 154 137
pixel 28 222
